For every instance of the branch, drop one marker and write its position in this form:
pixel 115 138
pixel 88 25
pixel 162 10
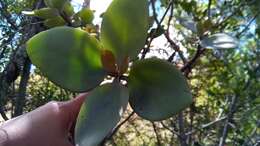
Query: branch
pixel 166 34
pixel 171 130
pixel 232 110
pixel 20 101
pixel 229 117
pixel 189 64
pixel 231 15
pixel 86 4
pixel 156 134
pixel 206 125
pixel 247 26
pixel 150 36
pixel 209 11
pixel 116 129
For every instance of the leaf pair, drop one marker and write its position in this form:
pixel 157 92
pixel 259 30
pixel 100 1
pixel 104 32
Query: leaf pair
pixel 71 57
pixel 157 91
pixel 52 14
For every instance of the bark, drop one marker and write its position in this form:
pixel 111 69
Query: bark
pixel 86 4
pixel 182 137
pixel 19 63
pixel 20 100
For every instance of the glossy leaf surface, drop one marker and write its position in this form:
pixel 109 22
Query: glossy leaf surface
pixel 69 57
pixel 158 90
pixel 219 41
pixel 100 113
pixel 124 28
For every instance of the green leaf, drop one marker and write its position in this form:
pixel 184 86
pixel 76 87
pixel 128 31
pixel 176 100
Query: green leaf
pixel 158 90
pixel 46 13
pixel 86 16
pixel 219 41
pixel 54 22
pixel 124 28
pixel 67 56
pixel 100 113
pixel 43 13
pixel 68 9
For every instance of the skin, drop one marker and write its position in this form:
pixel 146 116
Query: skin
pixel 48 125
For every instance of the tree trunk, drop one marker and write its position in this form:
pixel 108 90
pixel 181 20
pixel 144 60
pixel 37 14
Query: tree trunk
pixel 20 100
pixel 86 4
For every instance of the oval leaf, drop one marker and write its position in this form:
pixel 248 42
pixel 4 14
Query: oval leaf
pixel 68 9
pixel 69 57
pixel 54 22
pixel 219 41
pixel 86 16
pixel 124 28
pixel 157 89
pixel 46 13
pixel 100 113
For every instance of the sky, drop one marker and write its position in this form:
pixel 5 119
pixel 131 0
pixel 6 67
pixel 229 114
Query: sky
pixel 97 5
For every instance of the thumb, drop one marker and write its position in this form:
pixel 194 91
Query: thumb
pixel 73 106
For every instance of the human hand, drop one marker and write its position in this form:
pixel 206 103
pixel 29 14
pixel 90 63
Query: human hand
pixel 48 125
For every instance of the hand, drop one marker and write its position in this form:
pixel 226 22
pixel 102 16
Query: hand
pixel 49 125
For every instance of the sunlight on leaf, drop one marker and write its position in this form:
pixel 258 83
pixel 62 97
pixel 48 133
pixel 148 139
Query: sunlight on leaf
pixel 67 56
pixel 124 28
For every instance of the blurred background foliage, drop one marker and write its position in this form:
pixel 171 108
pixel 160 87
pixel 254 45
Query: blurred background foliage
pixel 225 83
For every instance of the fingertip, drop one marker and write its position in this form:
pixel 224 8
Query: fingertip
pixel 78 100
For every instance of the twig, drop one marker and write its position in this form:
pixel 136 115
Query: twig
pixel 247 26
pixel 116 129
pixel 172 43
pixel 229 117
pixel 209 11
pixel 170 19
pixel 150 37
pixel 171 130
pixel 206 125
pixel 232 110
pixel 156 134
pixel 190 63
pixel 182 138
